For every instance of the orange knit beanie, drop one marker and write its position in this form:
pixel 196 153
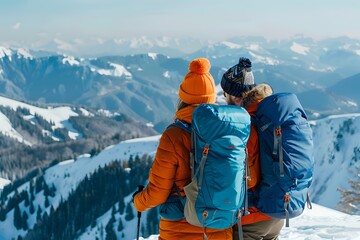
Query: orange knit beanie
pixel 198 85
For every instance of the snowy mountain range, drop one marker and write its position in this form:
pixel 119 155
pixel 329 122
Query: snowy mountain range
pixel 143 85
pixel 337 160
pixel 118 46
pixel 75 115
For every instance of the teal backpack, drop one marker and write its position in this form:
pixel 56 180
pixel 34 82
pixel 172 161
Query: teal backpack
pixel 216 196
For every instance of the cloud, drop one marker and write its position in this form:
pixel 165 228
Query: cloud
pixel 16 26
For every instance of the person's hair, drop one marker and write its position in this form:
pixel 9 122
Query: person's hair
pixel 259 92
pixel 181 105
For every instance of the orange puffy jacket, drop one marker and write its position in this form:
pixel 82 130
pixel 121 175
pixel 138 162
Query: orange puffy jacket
pixel 172 165
pixel 250 103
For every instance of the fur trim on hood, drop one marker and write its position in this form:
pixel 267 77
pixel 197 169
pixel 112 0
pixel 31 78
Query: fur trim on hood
pixel 260 91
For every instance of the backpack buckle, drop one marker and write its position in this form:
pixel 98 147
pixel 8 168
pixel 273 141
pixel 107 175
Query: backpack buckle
pixel 206 150
pixel 278 131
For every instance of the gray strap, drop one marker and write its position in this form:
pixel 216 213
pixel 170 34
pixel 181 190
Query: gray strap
pixel 192 154
pixel 277 150
pixel 308 202
pixel 276 142
pixel 247 165
pixel 281 158
pixel 202 165
pixel 204 216
pixel 247 176
pixel 240 231
pixel 286 206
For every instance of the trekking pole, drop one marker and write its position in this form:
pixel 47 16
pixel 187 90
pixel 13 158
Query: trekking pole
pixel 140 188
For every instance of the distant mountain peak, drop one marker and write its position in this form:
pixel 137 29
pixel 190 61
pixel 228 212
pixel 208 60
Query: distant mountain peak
pixel 300 49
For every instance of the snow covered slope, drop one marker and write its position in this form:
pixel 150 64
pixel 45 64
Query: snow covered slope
pixel 58 116
pixel 318 223
pixel 337 156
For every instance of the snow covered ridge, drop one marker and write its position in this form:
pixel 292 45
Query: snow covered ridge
pixel 300 49
pixel 3 182
pixel 58 116
pixel 20 52
pixel 117 71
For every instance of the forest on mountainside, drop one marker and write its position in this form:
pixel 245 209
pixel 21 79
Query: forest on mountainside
pixel 52 145
pixel 102 190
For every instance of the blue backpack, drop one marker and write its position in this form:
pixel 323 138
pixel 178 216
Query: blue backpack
pixel 215 198
pixel 286 156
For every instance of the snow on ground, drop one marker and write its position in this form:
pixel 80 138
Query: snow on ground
pixel 7 130
pixel 318 223
pixel 57 115
pixel 4 182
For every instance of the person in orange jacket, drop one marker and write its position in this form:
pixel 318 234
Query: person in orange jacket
pixel 239 89
pixel 170 170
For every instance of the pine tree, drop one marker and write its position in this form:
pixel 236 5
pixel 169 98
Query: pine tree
pixel 27 199
pixel 129 215
pixel 110 224
pixel 38 214
pixel 131 162
pixel 110 235
pixel 32 186
pixel 120 225
pixel 113 211
pixel 350 200
pixel 39 184
pixel 17 217
pixel 2 213
pixel 121 206
pixel 46 189
pixel 32 208
pixel 47 203
pixel 142 228
pixel 24 221
pixel 32 189
pixel 101 232
pixel 152 221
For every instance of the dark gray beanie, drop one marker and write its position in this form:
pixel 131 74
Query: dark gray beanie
pixel 238 79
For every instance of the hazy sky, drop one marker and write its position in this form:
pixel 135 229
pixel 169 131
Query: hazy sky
pixel 33 20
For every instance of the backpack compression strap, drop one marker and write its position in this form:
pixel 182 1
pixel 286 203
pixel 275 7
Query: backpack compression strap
pixel 278 148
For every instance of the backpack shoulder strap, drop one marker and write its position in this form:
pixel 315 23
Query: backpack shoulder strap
pixel 187 127
pixel 181 124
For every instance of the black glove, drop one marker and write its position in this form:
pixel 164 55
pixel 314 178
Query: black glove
pixel 140 188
